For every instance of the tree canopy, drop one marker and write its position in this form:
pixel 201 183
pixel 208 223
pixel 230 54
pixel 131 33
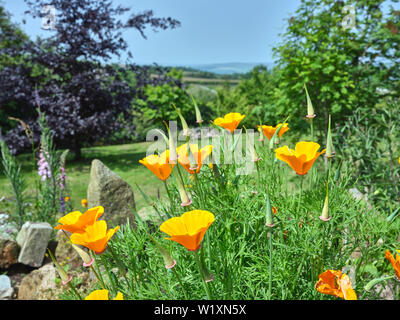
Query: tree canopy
pixel 69 74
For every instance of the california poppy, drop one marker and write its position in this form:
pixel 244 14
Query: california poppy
pixel 395 263
pixel 103 295
pixel 84 203
pixel 159 165
pixel 302 158
pixel 76 222
pixel 95 237
pixel 336 283
pixel 188 229
pixel 199 156
pixel 269 131
pixel 230 121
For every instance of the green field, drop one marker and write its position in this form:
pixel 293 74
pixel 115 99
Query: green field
pixel 122 159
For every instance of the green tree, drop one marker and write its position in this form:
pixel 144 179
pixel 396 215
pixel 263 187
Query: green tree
pixel 344 66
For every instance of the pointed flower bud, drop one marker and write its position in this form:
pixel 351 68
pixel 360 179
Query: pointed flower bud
pixel 310 108
pixel 169 262
pixel 329 145
pixel 63 274
pixel 185 197
pixel 186 130
pixel 199 119
pixel 87 260
pixel 325 210
pixel 173 157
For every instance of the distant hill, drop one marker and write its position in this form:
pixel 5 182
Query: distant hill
pixel 229 68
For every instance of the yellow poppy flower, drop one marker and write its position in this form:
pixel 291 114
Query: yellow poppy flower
pixel 302 158
pixel 230 121
pixel 76 222
pixel 84 203
pixel 199 156
pixel 188 229
pixel 95 236
pixel 336 283
pixel 66 199
pixel 269 131
pixel 103 295
pixel 159 165
pixel 395 263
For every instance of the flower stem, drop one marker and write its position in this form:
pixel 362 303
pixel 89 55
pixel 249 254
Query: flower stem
pixel 108 273
pixel 270 264
pixel 180 282
pixel 205 284
pixel 75 291
pixel 301 192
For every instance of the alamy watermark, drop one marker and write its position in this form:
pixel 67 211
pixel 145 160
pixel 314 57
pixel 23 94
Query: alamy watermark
pixel 238 148
pixel 349 21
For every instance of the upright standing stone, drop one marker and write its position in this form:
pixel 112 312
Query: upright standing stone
pixel 33 239
pixel 107 189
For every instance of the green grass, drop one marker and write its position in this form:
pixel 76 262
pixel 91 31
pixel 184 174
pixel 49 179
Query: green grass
pixel 122 159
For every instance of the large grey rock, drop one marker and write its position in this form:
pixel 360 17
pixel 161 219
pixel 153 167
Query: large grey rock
pixel 39 284
pixel 6 289
pixel 33 238
pixel 107 189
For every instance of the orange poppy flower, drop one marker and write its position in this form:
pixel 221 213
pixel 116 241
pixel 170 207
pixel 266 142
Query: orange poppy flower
pixel 335 283
pixel 95 236
pixel 269 131
pixel 198 155
pixel 302 158
pixel 159 165
pixel 76 222
pixel 84 203
pixel 188 229
pixel 230 121
pixel 103 295
pixel 395 263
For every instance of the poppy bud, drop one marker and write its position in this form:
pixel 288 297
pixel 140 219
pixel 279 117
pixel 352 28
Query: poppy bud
pixel 186 130
pixel 329 145
pixel 310 108
pixel 63 275
pixel 173 156
pixel 325 210
pixel 87 260
pixel 169 262
pixel 199 119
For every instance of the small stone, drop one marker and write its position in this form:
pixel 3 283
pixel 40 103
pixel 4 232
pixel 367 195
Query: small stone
pixel 9 250
pixel 34 239
pixel 6 289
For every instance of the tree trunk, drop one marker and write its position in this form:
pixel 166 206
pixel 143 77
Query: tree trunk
pixel 77 150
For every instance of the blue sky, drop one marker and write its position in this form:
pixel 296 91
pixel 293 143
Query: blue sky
pixel 212 31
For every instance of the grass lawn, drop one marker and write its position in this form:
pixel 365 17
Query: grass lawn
pixel 122 159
